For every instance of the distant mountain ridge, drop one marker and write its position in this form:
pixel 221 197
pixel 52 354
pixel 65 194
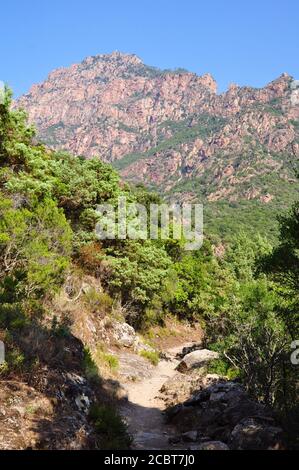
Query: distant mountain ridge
pixel 171 130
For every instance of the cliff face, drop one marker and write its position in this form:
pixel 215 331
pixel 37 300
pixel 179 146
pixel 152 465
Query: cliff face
pixel 110 105
pixel 171 129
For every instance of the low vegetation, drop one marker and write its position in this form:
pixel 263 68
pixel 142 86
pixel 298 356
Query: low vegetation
pixel 106 360
pixel 111 428
pixel 151 356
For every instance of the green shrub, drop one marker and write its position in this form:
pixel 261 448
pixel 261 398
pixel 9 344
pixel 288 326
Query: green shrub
pixel 253 337
pixel 222 368
pixel 151 356
pixel 111 428
pixel 35 247
pixel 98 301
pixel 138 272
pixel 112 361
pixel 106 359
pixel 90 367
pixel 14 361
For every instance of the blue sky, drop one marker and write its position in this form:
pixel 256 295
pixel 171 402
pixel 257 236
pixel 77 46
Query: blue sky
pixel 249 42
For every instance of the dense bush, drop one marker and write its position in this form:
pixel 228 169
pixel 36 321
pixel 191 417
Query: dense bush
pixel 48 215
pixel 35 246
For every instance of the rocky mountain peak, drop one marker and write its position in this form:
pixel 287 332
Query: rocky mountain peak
pixel 281 84
pixel 167 127
pixel 209 82
pixel 115 57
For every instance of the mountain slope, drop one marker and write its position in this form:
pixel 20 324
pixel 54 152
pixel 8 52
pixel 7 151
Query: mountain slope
pixel 171 130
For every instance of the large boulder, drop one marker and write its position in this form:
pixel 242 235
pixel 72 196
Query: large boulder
pixel 194 346
pixel 184 419
pixel 222 411
pixel 244 407
pixel 194 418
pixel 124 334
pixel 178 388
pixel 256 434
pixel 196 359
pixel 230 393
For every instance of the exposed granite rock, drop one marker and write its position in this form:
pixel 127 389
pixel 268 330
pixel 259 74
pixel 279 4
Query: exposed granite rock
pixel 172 124
pixel 133 367
pixel 255 434
pixel 188 349
pixel 107 104
pixel 124 334
pixel 196 359
pixel 221 410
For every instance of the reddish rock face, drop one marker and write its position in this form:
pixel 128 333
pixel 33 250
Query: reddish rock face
pixel 107 104
pixel 165 127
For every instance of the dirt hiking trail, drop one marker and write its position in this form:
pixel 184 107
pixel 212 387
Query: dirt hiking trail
pixel 144 409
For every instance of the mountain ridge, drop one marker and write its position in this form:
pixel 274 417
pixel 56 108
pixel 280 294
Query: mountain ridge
pixel 171 130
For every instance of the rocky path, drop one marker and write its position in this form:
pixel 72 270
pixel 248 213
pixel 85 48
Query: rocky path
pixel 144 410
pixel 214 414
